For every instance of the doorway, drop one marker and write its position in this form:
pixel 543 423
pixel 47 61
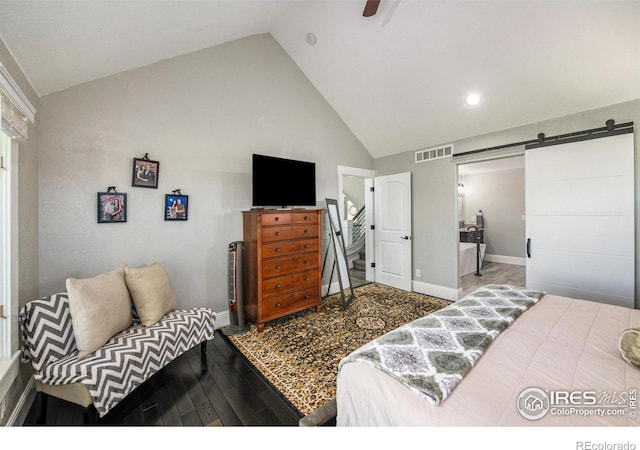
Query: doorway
pixel 491 219
pixel 387 208
pixel 356 210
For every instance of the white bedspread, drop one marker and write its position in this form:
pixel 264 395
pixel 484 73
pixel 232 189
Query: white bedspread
pixel 560 344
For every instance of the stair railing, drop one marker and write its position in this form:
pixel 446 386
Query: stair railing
pixel 359 225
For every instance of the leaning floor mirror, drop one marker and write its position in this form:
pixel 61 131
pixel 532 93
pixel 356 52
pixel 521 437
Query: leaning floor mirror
pixel 340 264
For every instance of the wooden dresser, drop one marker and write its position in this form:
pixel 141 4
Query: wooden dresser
pixel 282 263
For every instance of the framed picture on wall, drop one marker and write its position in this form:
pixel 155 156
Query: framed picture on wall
pixel 112 207
pixel 145 173
pixel 176 207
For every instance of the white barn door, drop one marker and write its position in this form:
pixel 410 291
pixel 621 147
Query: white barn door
pixel 580 219
pixel 393 230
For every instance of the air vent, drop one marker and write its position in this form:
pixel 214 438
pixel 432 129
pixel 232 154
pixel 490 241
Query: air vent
pixel 429 154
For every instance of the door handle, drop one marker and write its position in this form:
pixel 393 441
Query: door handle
pixel 406 238
pixel 529 248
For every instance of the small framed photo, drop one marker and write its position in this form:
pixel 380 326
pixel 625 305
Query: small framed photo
pixel 176 207
pixel 112 207
pixel 145 173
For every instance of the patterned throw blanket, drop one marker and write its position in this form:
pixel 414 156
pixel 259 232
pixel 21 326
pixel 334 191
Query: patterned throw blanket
pixel 431 355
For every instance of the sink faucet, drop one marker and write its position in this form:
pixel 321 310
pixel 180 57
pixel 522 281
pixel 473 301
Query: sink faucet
pixel 477 232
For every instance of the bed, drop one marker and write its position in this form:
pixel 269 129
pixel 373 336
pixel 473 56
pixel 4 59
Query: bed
pixel 557 346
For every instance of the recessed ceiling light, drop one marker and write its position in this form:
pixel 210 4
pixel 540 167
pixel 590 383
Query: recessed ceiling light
pixel 473 99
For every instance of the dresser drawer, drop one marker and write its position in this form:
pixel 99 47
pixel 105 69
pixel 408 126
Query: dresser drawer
pixel 276 219
pixel 284 283
pixel 304 217
pixel 275 267
pixel 294 301
pixel 272 234
pixel 284 248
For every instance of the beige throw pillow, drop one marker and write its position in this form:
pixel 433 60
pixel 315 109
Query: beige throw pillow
pixel 100 307
pixel 629 346
pixel 151 291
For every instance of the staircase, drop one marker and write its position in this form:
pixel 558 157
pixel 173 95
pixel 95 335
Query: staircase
pixel 356 251
pixel 358 272
pixel 360 264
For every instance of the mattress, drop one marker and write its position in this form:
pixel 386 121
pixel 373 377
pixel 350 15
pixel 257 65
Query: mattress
pixel 566 349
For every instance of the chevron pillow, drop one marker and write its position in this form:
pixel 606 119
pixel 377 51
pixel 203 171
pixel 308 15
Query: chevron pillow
pixel 100 308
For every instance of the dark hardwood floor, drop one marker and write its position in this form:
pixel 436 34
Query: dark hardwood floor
pixel 220 389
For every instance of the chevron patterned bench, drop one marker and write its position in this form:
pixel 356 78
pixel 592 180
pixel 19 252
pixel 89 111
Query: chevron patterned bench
pixel 107 376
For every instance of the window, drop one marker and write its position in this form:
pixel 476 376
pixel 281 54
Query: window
pixel 5 244
pixel 16 112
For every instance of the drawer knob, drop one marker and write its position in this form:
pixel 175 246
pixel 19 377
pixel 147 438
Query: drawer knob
pixel 276 218
pixel 277 249
pixel 306 297
pixel 306 261
pixel 306 278
pixel 277 285
pixel 306 245
pixel 277 266
pixel 277 233
pixel 306 231
pixel 306 217
pixel 277 305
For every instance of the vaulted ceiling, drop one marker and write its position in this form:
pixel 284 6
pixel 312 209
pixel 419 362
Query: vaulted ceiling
pixel 399 79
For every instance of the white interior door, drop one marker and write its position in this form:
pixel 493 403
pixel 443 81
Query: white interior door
pixel 580 219
pixel 393 230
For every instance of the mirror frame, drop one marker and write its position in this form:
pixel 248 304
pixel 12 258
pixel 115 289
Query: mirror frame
pixel 340 254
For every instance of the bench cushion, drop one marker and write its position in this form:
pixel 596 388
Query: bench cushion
pixel 132 356
pixel 122 364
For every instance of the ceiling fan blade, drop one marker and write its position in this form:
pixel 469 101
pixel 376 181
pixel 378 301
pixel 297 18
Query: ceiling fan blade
pixel 371 8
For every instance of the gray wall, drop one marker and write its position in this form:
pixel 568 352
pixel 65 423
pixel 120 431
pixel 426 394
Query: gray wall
pixel 500 196
pixel 434 186
pixel 201 115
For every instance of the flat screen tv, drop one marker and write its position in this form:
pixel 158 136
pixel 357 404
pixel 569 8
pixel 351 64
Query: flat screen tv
pixel 283 183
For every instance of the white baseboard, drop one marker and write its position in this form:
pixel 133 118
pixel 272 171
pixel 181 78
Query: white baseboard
pixel 9 368
pixel 435 290
pixel 222 320
pixel 505 259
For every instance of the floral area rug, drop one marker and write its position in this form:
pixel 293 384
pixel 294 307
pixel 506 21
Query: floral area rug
pixel 299 354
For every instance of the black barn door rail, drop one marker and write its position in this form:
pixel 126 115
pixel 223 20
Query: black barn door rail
pixel 610 129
